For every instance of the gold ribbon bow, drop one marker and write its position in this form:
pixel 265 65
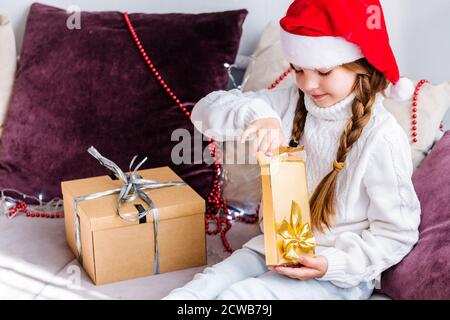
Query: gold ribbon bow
pixel 298 238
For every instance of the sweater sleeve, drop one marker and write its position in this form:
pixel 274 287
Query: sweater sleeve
pixel 223 115
pixel 393 214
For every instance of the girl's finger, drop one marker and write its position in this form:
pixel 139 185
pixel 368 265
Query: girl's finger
pixel 250 129
pixel 258 139
pixel 279 136
pixel 307 273
pixel 298 273
pixel 273 146
pixel 288 272
pixel 278 139
pixel 255 143
pixel 265 141
pixel 309 262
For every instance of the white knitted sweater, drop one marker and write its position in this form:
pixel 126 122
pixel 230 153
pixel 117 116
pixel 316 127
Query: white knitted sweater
pixel 377 209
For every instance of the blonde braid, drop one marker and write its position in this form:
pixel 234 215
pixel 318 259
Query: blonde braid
pixel 300 118
pixel 369 82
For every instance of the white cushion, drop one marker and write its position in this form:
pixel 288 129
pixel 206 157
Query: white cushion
pixel 267 63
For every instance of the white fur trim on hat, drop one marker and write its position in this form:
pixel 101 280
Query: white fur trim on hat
pixel 402 90
pixel 318 52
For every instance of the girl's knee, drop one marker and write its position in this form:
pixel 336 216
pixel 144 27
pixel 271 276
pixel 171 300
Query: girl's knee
pixel 240 290
pixel 245 251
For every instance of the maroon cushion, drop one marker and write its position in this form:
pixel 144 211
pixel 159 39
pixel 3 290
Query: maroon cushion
pixel 424 272
pixel 90 86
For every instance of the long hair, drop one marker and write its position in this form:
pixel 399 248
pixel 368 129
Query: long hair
pixel 369 82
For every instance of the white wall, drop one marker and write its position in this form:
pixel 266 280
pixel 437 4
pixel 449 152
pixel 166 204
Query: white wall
pixel 419 30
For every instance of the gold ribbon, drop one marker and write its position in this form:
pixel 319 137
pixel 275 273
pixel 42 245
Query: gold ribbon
pixel 283 149
pixel 298 238
pixel 262 159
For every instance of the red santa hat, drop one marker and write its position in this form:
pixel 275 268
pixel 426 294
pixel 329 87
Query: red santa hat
pixel 328 33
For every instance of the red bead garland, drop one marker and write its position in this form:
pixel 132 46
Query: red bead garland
pixel 152 67
pixel 414 105
pixel 215 202
pixel 280 78
pixel 22 208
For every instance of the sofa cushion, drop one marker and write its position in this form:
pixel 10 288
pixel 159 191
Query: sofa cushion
pixel 433 103
pixel 267 62
pixel 90 86
pixel 7 65
pixel 424 272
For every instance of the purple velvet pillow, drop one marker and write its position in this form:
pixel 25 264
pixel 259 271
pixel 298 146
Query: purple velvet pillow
pixel 90 86
pixel 425 272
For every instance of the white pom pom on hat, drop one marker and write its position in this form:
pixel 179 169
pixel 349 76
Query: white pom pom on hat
pixel 400 91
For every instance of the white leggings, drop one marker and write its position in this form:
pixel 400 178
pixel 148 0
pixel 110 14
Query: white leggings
pixel 244 276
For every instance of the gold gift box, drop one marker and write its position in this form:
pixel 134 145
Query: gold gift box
pixel 286 210
pixel 114 249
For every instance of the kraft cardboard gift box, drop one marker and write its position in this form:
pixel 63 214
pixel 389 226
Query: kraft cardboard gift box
pixel 113 249
pixel 286 210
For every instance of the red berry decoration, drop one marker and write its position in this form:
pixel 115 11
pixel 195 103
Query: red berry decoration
pixel 414 105
pixel 22 208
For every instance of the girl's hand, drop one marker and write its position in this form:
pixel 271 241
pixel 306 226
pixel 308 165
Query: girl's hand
pixel 269 135
pixel 308 268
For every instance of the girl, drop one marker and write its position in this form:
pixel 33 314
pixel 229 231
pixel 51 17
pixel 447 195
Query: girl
pixel 364 210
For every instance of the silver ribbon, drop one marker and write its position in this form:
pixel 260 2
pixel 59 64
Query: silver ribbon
pixel 133 187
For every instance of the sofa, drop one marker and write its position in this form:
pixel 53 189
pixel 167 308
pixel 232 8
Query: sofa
pixel 36 263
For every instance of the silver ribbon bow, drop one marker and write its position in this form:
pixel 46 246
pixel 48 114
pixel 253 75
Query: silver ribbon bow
pixel 133 187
